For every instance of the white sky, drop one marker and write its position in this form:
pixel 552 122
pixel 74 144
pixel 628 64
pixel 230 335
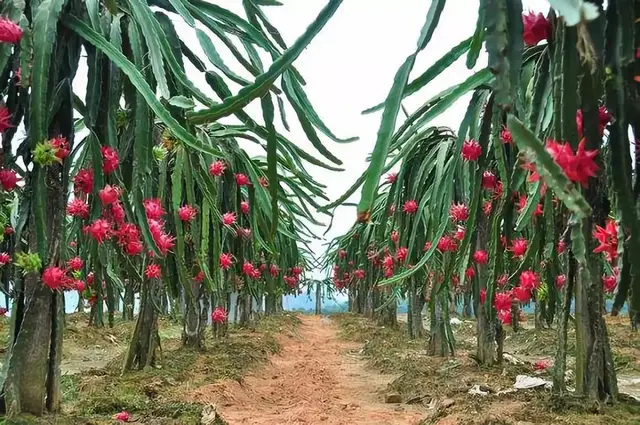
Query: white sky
pixel 348 67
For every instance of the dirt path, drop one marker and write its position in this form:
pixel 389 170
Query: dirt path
pixel 317 379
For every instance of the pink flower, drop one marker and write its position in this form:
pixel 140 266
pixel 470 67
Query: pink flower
pixel 447 243
pixel 391 177
pixel 395 237
pixel 117 212
pixel 122 417
pixel 248 269
pixel 75 263
pixel 244 207
pixel 489 180
pixel 153 271
pixel 519 247
pixel 529 280
pixel 469 273
pixel 79 285
pixel 502 301
pixel 5 258
pixel 228 218
pixel 427 246
pixel 541 365
pixel 483 296
pixel 199 277
pixel 242 179
pixel 359 274
pixel 53 277
pixel 264 182
pixel 410 207
pixel 401 254
pixel 78 208
pixel 504 316
pixel 10 32
pixel 8 231
pixel 503 279
pixel 219 315
pixel 459 212
pixel 274 270
pixel 536 28
pixel 487 206
pixel 62 147
pixel 99 230
pixel 187 213
pixel 153 208
pixel 471 150
pixel 217 168
pixel 83 181
pixel 226 261
pixel 460 232
pixel 609 282
pixel 561 248
pixel 387 272
pixel 481 257
pixel 387 262
pixel 521 294
pixel 505 135
pixel 8 179
pixel 560 281
pixel 108 195
pixel 110 159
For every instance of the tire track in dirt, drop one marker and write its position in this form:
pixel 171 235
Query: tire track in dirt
pixel 313 381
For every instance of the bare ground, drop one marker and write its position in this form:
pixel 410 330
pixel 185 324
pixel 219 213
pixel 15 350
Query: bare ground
pixel 317 379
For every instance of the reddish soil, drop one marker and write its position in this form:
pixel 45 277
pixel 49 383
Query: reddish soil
pixel 317 379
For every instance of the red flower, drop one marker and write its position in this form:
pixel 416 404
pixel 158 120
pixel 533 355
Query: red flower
pixel 99 230
pixel 401 254
pixel 541 365
pixel 487 206
pixel 608 238
pixel 291 282
pixel 560 281
pixel 395 237
pixel 226 261
pixel 502 301
pixel 469 273
pixel 342 253
pixel 387 262
pixel 505 135
pixel 244 207
pixel 10 32
pixel 609 282
pixel 117 211
pixel 244 233
pixel 75 263
pixel 519 247
pixel 134 247
pixel 391 177
pixel 264 182
pixel 533 171
pixel 274 270
pixel 471 150
pixel 108 195
pixel 489 180
pixel 79 285
pixel 228 218
pixel 460 232
pixel 503 279
pixel 504 316
pixel 164 242
pixel 447 243
pixel 481 257
pixel 110 159
pixel 410 207
pixel 536 28
pixel 387 272
pixel 219 315
pixel 153 271
pixel 248 269
pixel 359 274
pixel 529 280
pixel 53 277
pixel 579 167
pixel 199 277
pixel 8 231
pixel 561 248
pixel 83 181
pixel 459 212
pixel 297 270
pixel 62 147
pixel 522 294
pixel 4 258
pixel 242 179
pixel 122 417
pixel 153 208
pixel 217 168
pixel 5 119
pixel 427 246
pixel 187 213
pixel 604 118
pixel 483 296
pixel 8 179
